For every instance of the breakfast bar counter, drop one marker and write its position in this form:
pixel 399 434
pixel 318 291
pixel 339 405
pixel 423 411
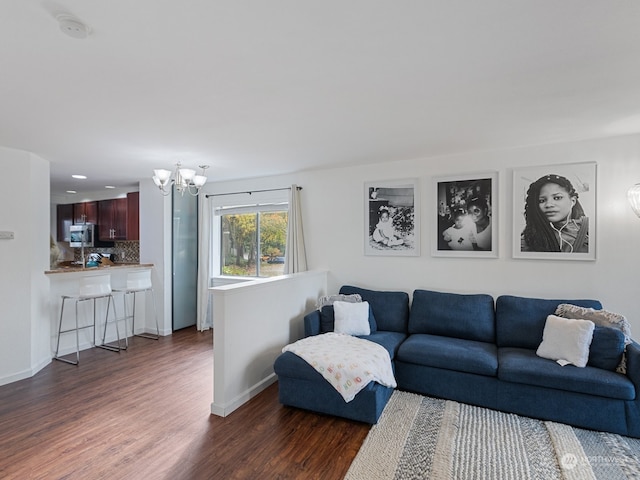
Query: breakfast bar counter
pixel 100 269
pixel 66 281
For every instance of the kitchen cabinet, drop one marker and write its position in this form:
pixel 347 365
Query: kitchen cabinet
pixel 133 216
pixel 85 212
pixel 64 219
pixel 112 219
pixel 117 218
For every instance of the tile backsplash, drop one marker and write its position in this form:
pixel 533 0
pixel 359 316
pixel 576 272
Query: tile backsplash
pixel 125 252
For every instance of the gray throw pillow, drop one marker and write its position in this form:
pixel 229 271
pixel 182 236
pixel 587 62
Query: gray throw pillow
pixel 340 297
pixel 601 318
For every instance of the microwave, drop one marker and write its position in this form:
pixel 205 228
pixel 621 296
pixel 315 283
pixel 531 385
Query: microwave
pixel 86 235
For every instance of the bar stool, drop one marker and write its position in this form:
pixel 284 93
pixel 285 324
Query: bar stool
pixel 91 288
pixel 138 282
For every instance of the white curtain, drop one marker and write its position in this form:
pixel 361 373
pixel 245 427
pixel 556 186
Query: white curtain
pixel 204 311
pixel 295 259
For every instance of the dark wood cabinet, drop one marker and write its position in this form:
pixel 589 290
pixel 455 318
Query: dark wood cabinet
pixel 85 212
pixel 64 219
pixel 112 219
pixel 117 218
pixel 133 216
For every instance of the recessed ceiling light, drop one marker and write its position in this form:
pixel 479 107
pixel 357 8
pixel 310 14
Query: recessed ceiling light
pixel 79 177
pixel 71 191
pixel 109 186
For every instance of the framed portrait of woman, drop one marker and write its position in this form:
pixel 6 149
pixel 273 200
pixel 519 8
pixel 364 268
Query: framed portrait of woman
pixel 392 220
pixel 554 212
pixel 465 213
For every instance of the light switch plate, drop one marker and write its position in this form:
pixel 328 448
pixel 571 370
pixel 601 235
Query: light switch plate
pixel 6 235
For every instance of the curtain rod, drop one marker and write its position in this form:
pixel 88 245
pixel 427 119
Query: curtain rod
pixel 253 191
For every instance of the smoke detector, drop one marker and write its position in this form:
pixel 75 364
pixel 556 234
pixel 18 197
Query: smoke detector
pixel 73 27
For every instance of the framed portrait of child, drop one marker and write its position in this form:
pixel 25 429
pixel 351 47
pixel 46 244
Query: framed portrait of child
pixel 391 218
pixel 554 212
pixel 464 209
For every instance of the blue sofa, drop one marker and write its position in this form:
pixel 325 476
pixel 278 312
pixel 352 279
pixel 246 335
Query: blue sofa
pixel 300 385
pixel 471 349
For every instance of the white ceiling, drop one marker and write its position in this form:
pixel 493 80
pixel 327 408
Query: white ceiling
pixel 259 87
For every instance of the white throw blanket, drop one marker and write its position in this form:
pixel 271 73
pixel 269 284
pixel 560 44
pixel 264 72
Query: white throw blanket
pixel 348 363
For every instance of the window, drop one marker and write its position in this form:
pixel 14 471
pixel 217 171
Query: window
pixel 253 244
pixel 250 233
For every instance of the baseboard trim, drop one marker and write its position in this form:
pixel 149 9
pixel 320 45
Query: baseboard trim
pixel 227 408
pixel 27 373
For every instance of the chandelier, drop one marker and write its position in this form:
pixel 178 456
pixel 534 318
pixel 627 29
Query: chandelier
pixel 184 179
pixel 634 198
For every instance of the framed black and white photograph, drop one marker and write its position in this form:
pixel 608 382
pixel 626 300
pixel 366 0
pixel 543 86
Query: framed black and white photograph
pixel 464 212
pixel 392 220
pixel 554 212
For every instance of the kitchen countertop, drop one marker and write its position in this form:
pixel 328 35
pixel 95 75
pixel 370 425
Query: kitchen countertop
pixel 102 267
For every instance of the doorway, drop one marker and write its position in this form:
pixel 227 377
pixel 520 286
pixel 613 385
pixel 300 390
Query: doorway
pixel 184 260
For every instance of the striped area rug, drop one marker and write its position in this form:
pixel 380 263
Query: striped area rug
pixel 425 438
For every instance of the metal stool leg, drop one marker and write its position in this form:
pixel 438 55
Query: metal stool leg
pixel 126 318
pixel 60 332
pixel 91 288
pixel 77 336
pixel 106 322
pixel 155 312
pixel 112 300
pixel 59 329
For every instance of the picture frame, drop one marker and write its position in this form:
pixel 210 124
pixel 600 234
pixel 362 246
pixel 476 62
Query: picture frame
pixel 464 212
pixel 392 217
pixel 571 224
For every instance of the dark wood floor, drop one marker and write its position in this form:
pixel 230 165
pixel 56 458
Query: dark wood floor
pixel 145 414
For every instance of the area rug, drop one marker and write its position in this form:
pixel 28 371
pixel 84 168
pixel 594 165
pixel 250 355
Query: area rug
pixel 425 438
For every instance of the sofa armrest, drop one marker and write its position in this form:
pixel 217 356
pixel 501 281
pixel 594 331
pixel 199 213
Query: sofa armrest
pixel 633 363
pixel 312 323
pixel 633 373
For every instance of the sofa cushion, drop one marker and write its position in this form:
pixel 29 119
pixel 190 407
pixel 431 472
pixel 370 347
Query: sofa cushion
pixel 606 348
pixel 391 309
pixel 520 320
pixel 450 353
pixel 288 364
pixel 389 340
pixel 328 318
pixel 469 317
pixel 300 385
pixel 520 365
pixel 566 341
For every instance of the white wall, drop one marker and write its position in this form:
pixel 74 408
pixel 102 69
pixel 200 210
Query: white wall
pixel 253 321
pixel 24 289
pixel 97 195
pixel 334 223
pixel 332 202
pixel 155 248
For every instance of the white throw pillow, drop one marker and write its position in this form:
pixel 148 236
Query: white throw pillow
pixel 351 318
pixel 566 340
